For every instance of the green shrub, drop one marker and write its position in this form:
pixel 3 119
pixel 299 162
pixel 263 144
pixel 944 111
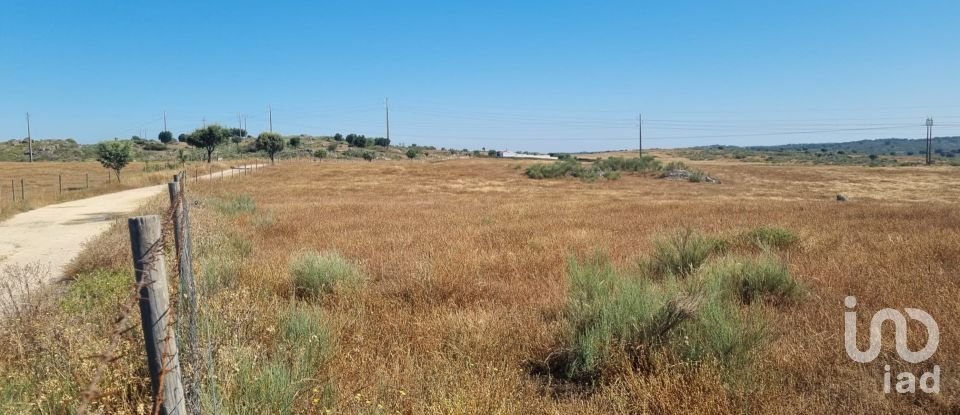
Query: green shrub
pixel 772 236
pixel 309 338
pixel 218 271
pixel 262 387
pixel 98 291
pixel 154 146
pixel 614 318
pixel 274 385
pixel 354 153
pixel 315 274
pixel 554 170
pixel 611 315
pixel 635 164
pixel 682 253
pixel 609 168
pixel 234 205
pixel 676 165
pixel 696 176
pixel 749 279
pixel 721 334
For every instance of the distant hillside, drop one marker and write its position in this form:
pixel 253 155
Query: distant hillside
pixel 881 146
pixel 45 150
pixel 878 152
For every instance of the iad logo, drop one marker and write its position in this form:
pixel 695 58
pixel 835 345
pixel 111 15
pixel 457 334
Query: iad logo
pixel 906 381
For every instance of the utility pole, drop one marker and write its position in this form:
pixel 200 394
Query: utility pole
pixel 29 139
pixel 270 116
pixel 929 140
pixel 640 134
pixel 204 122
pixel 386 106
pixel 165 121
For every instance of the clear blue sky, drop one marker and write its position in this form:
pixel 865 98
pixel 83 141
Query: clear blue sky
pixel 542 76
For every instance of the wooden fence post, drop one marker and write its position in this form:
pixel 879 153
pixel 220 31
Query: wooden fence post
pixel 23 194
pixel 158 335
pixel 88 181
pixel 60 183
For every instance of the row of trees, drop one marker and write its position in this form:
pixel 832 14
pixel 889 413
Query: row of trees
pixel 362 141
pixel 115 155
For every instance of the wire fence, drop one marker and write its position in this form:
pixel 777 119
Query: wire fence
pixel 179 358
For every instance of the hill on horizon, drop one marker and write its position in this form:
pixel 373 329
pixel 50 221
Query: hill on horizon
pixel 879 146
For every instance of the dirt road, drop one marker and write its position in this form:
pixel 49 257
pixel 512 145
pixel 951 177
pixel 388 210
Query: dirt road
pixel 48 238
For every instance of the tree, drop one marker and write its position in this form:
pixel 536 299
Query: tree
pixel 271 143
pixel 338 137
pixel 294 142
pixel 412 153
pixel 115 155
pixel 182 138
pixel 357 140
pixel 208 138
pixel 368 155
pixel 165 137
pixel 320 154
pixel 236 139
pixel 381 141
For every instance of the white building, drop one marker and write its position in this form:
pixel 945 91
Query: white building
pixel 513 155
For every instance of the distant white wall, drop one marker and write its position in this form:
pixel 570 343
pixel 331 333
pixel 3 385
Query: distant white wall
pixel 510 154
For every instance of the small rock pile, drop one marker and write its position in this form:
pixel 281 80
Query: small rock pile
pixel 684 174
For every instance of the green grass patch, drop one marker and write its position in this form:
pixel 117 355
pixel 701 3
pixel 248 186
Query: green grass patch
pixel 97 291
pixel 772 237
pixel 681 253
pixel 318 273
pixel 278 384
pixel 749 279
pixel 235 205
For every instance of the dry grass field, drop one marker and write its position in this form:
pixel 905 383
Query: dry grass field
pixel 456 292
pixel 53 182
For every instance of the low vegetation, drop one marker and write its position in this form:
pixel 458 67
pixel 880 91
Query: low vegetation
pixel 315 274
pixel 681 253
pixel 609 168
pixel 621 320
pixel 772 236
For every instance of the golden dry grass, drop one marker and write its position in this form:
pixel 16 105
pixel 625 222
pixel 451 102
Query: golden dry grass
pixel 465 281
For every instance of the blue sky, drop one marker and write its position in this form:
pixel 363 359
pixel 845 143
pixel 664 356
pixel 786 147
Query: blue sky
pixel 542 76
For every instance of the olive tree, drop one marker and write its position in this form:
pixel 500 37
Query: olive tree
pixel 165 137
pixel 115 155
pixel 271 143
pixel 208 138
